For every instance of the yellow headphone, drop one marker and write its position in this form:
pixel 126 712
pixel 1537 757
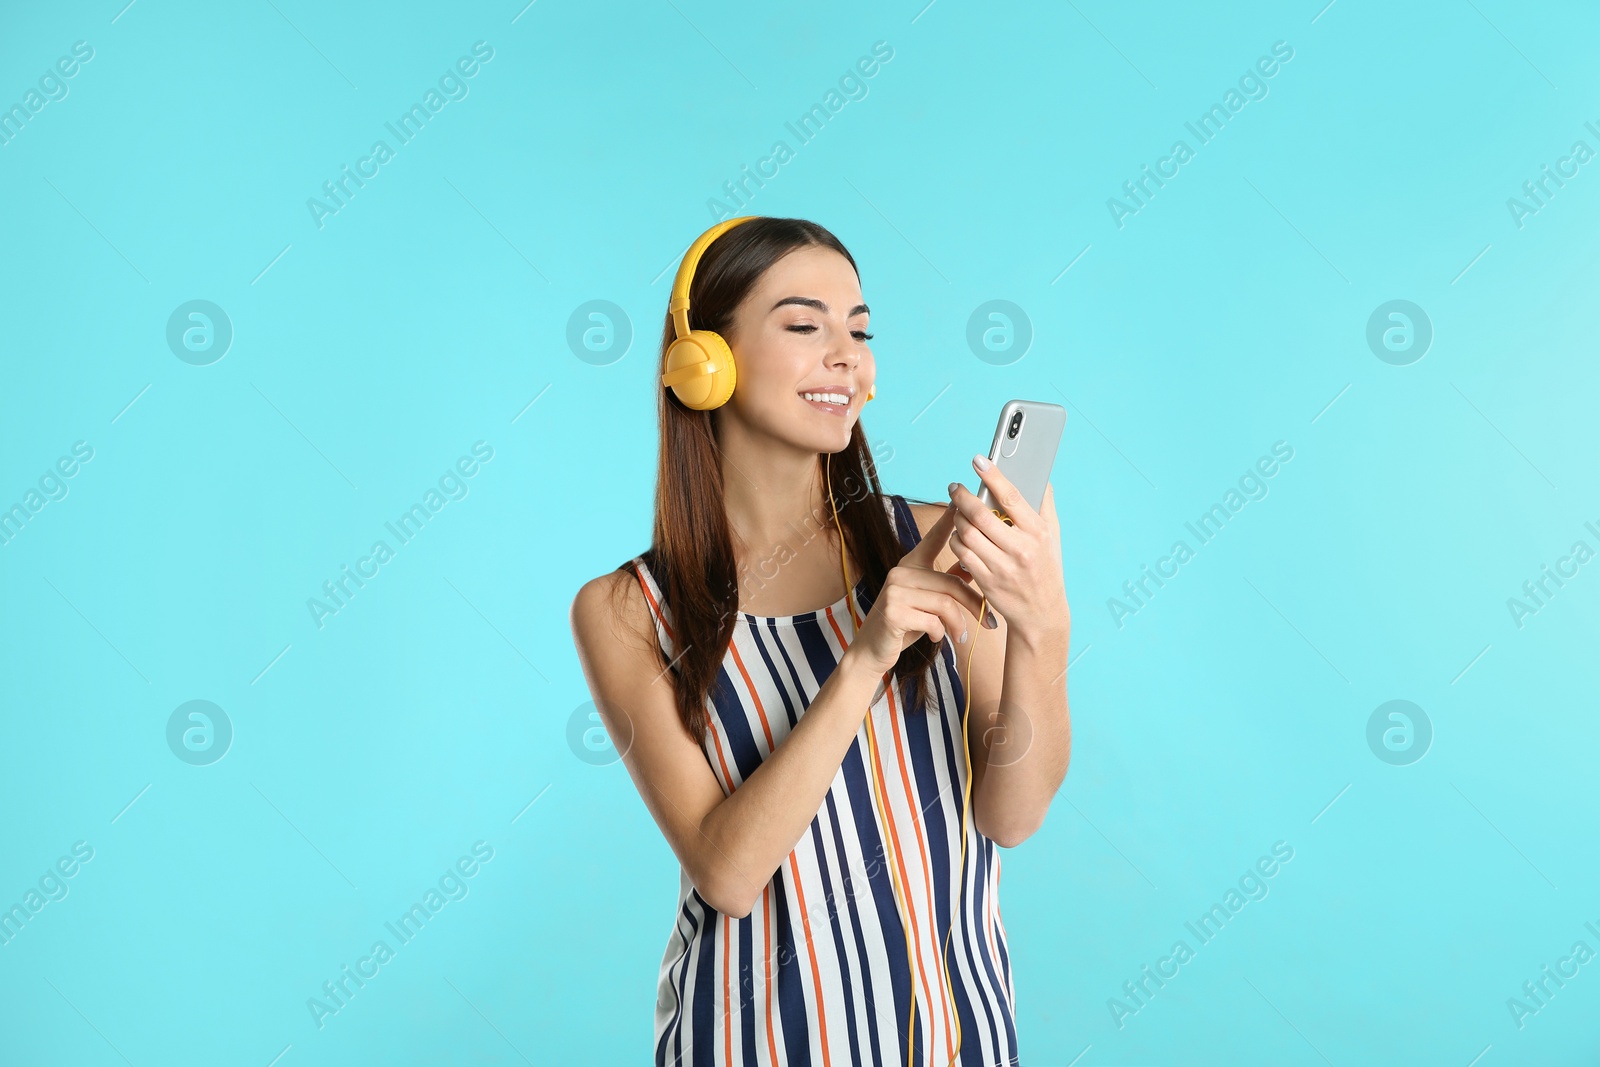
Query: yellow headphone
pixel 699 368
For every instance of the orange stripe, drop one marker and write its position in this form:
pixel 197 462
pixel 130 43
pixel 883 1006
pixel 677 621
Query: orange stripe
pixel 750 687
pixel 816 976
pixel 828 611
pixel 654 607
pixel 727 778
pixel 766 919
pixel 927 877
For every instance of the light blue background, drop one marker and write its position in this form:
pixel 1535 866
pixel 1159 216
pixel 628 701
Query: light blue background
pixel 432 312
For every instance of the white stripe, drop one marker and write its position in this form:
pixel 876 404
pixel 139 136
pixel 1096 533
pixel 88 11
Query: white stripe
pixel 1011 975
pixel 667 998
pixel 775 1019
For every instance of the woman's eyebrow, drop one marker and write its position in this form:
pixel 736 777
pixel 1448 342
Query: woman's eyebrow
pixel 813 302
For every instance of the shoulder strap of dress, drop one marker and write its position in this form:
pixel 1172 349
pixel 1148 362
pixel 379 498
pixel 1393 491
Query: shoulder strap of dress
pixel 903 519
pixel 660 616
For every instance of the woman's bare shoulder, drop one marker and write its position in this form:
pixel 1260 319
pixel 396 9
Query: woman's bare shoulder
pixel 925 514
pixel 609 605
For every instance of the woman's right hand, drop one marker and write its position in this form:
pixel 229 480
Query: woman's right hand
pixel 918 599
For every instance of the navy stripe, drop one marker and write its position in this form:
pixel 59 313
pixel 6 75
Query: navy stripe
pixel 746 996
pixel 818 652
pixel 905 523
pixel 762 641
pixel 740 744
pixel 796 1047
pixel 702 1013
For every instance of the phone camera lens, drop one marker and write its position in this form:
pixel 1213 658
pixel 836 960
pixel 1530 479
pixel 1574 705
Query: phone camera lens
pixel 1016 424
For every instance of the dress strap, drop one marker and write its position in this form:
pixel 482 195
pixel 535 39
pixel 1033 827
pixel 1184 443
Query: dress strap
pixel 905 522
pixel 660 615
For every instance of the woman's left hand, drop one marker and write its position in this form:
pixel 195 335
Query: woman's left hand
pixel 1017 566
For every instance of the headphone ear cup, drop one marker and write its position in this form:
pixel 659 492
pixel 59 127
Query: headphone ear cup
pixel 703 392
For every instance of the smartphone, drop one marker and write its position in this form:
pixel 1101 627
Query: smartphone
pixel 1025 440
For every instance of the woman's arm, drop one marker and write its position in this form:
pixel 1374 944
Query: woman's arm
pixel 729 845
pixel 1027 736
pixel 1020 733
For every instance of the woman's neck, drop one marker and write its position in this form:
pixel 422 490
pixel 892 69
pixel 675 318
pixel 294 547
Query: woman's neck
pixel 773 497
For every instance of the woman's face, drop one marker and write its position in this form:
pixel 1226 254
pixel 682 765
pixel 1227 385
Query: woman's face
pixel 802 329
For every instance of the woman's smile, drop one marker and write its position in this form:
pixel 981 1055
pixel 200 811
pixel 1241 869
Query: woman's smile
pixel 837 404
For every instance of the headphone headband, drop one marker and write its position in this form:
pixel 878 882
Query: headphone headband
pixel 678 307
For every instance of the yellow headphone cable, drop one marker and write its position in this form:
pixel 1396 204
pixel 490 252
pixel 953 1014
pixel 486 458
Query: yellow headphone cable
pixel 878 793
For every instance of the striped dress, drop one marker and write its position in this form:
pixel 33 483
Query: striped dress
pixel 817 972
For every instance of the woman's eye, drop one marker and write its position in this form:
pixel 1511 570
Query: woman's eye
pixel 806 327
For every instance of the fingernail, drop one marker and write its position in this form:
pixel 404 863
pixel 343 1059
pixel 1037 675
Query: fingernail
pixel 963 638
pixel 988 619
pixel 981 462
pixel 953 487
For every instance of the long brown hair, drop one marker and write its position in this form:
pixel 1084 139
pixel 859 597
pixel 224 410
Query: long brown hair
pixel 691 550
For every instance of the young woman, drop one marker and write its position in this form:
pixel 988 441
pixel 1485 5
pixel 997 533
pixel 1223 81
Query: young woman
pixel 809 765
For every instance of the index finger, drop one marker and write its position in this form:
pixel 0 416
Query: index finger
pixel 1008 497
pixel 925 551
